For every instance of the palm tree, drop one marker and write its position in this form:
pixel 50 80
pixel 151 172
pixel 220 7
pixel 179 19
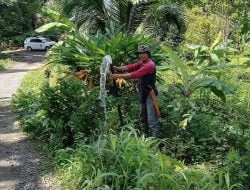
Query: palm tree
pixel 98 15
pixel 89 14
pixel 163 17
pixel 138 14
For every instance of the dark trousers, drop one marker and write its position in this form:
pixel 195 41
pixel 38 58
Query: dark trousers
pixel 149 119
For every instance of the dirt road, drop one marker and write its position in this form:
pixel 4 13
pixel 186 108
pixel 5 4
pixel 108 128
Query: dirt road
pixel 20 160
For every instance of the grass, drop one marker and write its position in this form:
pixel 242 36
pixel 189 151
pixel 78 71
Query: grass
pixel 5 62
pixel 33 81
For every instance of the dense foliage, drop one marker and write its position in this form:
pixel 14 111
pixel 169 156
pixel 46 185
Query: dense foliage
pixel 204 98
pixel 17 17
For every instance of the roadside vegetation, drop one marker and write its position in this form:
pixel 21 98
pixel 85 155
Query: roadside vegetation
pixel 202 53
pixel 5 62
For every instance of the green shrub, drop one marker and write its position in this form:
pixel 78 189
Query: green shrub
pixel 27 98
pixel 25 11
pixel 202 28
pixel 26 103
pixel 205 128
pixel 81 52
pixel 5 63
pixel 57 113
pixel 69 102
pixel 126 161
pixel 238 166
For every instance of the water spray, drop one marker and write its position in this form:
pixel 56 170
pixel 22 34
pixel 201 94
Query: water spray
pixel 105 70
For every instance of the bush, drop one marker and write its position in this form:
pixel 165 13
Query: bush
pixel 238 166
pixel 80 52
pixel 58 113
pixel 69 102
pixel 203 25
pixel 126 161
pixel 25 11
pixel 29 92
pixel 204 128
pixel 5 63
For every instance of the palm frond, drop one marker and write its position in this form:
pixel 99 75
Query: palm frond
pixel 89 14
pixel 162 16
pixel 119 11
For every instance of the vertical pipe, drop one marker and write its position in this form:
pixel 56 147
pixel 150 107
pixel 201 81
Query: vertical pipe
pixel 116 95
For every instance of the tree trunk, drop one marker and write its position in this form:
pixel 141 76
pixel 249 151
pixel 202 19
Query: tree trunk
pixel 137 15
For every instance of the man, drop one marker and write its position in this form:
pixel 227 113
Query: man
pixel 144 70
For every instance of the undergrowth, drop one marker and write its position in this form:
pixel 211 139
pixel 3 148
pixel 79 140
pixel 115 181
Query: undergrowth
pixel 67 118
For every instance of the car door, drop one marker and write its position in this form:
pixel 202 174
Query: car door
pixel 36 44
pixel 32 43
pixel 39 44
pixel 44 43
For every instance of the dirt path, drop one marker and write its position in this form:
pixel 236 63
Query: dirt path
pixel 20 161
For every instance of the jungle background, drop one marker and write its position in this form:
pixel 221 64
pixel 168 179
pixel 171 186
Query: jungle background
pixel 202 52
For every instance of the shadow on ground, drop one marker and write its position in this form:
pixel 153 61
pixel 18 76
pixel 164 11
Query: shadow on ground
pixel 25 56
pixel 19 162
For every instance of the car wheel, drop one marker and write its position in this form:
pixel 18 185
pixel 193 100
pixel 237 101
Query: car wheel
pixel 46 48
pixel 29 48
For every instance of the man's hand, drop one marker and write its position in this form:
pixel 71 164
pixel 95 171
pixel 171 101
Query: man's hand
pixel 116 76
pixel 115 68
pixel 113 76
pixel 121 68
pixel 140 61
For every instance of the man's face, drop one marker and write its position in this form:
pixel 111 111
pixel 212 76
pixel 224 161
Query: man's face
pixel 143 56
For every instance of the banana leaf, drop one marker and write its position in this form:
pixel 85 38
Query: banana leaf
pixel 52 26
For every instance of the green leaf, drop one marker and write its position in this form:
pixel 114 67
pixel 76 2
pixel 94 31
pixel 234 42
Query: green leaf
pixel 177 63
pixel 52 26
pixel 247 63
pixel 221 67
pixel 227 89
pixel 232 50
pixel 216 41
pixel 203 48
pixel 217 87
pixel 145 177
pixel 227 179
pixel 57 16
pixel 196 53
pixel 163 68
pixel 193 46
pixel 218 93
pixel 53 14
pixel 188 117
pixel 214 58
pixel 202 60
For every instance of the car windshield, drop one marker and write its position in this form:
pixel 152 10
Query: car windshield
pixel 46 39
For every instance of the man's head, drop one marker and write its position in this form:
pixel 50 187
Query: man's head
pixel 143 52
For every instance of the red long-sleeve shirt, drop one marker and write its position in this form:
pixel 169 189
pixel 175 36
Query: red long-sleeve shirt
pixel 139 69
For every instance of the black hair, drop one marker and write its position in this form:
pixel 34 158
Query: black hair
pixel 149 54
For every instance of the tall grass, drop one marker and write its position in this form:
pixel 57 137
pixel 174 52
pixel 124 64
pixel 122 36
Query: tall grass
pixel 127 161
pixel 5 63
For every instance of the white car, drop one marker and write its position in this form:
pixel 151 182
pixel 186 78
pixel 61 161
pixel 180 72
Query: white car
pixel 38 43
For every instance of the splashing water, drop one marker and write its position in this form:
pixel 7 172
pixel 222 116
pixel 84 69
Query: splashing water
pixel 104 71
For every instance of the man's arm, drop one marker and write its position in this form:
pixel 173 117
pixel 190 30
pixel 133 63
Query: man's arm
pixel 121 68
pixel 129 68
pixel 144 70
pixel 123 76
